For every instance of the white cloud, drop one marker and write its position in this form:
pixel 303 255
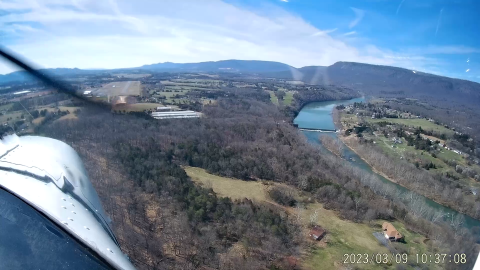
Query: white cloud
pixel 324 32
pixel 467 70
pixel 286 1
pixel 359 13
pixel 116 34
pixel 349 33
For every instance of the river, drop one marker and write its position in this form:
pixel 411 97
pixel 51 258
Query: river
pixel 318 115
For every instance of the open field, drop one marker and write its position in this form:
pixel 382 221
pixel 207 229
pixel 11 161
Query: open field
pixel 425 124
pixel 6 107
pixel 38 120
pixel 61 108
pixel 69 116
pixel 137 107
pixel 343 236
pixel 398 151
pixel 228 187
pixel 348 120
pixel 16 116
pixel 273 97
pixel 442 156
pixel 287 100
pixel 127 88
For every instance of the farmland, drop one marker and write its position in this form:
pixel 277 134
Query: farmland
pixel 127 88
pixel 177 91
pixel 137 107
pixel 440 157
pixel 287 100
pixel 273 97
pixel 425 124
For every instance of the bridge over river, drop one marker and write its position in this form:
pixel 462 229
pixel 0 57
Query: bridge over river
pixel 318 129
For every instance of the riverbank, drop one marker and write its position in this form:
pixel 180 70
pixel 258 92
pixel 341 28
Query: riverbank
pixel 350 142
pixel 347 140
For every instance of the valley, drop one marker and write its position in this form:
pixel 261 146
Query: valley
pixel 243 160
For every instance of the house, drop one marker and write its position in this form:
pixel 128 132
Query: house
pixel 397 140
pixel 317 233
pixel 390 232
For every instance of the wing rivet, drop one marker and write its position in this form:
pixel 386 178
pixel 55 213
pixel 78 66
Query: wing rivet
pixel 86 228
pixel 110 250
pixel 71 219
pixel 64 207
pixel 74 212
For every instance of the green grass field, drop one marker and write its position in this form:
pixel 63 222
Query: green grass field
pixel 228 187
pixel 6 107
pixel 404 150
pixel 273 97
pixel 348 120
pixel 343 236
pixel 16 116
pixel 287 100
pixel 425 124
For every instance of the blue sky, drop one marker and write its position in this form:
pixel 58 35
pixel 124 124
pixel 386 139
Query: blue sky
pixel 436 36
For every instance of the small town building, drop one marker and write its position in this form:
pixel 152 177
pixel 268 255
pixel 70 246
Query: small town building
pixel 397 140
pixel 390 232
pixel 317 233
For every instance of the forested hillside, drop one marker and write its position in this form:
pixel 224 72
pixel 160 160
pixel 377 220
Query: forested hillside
pixel 164 221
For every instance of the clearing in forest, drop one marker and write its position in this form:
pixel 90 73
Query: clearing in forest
pixel 343 236
pixel 273 97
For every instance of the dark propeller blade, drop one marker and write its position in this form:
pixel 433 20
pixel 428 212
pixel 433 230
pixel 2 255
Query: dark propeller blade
pixel 60 86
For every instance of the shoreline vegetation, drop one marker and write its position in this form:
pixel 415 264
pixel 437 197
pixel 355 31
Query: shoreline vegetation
pixel 349 142
pixel 333 147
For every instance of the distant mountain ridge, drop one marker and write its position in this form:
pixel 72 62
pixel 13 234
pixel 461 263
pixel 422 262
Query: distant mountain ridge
pixel 376 80
pixel 370 79
pixel 22 76
pixel 224 65
pixel 246 66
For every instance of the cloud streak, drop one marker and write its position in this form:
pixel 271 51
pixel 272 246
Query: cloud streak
pixel 118 34
pixel 349 33
pixel 324 32
pixel 359 14
pixel 439 21
pixel 399 6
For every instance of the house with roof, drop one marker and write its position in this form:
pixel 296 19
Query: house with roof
pixel 317 233
pixel 390 232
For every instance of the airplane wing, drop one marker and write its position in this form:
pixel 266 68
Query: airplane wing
pixel 47 175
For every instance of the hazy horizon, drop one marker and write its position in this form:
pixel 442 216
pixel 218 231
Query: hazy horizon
pixel 431 36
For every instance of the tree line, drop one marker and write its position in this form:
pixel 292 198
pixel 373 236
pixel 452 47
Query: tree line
pixel 243 136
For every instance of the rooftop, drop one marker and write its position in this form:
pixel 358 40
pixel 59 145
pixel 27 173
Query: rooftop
pixel 390 230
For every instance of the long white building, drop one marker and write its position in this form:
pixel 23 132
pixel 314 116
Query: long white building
pixel 175 114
